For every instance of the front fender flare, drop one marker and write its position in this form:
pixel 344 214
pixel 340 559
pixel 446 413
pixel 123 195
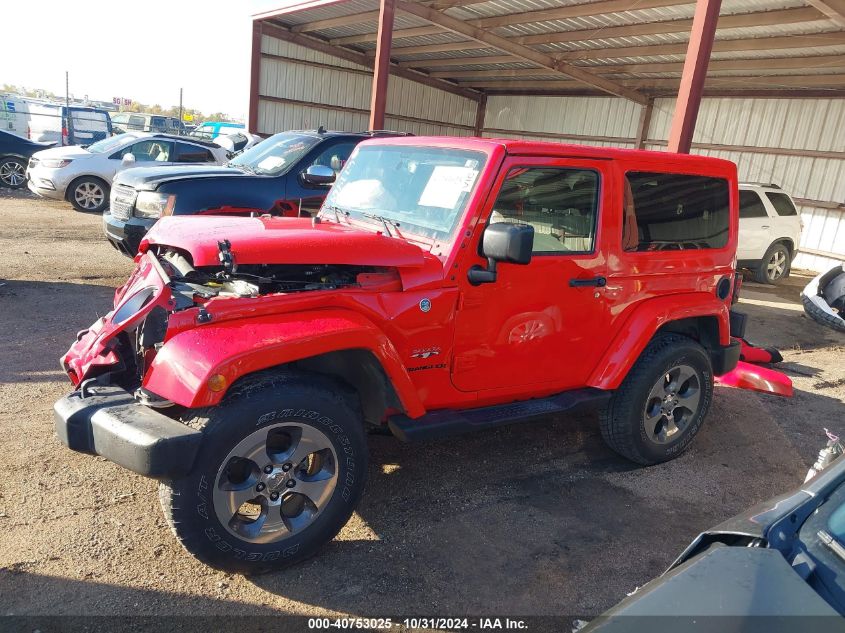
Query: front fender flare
pixel 643 324
pixel 182 367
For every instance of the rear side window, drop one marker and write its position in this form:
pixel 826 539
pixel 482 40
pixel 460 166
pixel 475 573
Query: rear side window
pixel 136 123
pixel 186 153
pixel 675 212
pixel 751 206
pixel 782 204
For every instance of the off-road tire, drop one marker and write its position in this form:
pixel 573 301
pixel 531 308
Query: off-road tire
pixel 622 421
pixel 259 401
pixel 761 274
pixel 91 181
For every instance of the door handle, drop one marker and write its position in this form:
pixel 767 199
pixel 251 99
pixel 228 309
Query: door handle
pixel 765 226
pixel 599 282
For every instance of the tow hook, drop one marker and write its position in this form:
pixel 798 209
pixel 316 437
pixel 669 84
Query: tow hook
pixel 203 316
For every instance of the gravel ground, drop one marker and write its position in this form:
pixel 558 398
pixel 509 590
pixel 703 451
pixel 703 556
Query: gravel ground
pixel 534 519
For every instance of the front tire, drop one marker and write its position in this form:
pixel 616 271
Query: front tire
pixel 89 194
pixel 774 266
pixel 659 408
pixel 13 172
pixel 281 468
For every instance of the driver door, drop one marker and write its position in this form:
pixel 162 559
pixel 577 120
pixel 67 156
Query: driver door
pixel 539 323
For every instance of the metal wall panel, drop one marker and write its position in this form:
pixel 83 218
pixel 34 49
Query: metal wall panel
pixel 593 116
pixel 789 124
pixel 341 86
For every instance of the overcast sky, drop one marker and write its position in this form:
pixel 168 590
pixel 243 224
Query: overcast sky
pixel 144 50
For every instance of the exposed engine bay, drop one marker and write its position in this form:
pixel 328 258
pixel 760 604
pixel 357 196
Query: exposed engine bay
pixel 231 280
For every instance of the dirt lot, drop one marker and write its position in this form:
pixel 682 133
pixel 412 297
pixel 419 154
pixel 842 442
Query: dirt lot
pixel 536 519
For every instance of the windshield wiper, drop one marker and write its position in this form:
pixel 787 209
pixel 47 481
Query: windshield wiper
pixel 245 168
pixel 386 222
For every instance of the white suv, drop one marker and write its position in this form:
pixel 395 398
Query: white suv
pixel 769 231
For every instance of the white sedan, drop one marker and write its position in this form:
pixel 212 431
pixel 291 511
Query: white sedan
pixel 83 175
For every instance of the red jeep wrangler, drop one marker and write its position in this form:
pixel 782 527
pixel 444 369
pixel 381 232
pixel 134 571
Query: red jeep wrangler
pixel 446 285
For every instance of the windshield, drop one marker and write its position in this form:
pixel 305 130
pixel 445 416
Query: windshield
pixel 422 190
pixel 276 155
pixel 110 144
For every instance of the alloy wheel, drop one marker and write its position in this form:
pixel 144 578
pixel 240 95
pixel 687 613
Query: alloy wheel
pixel 275 482
pixel 89 195
pixel 672 404
pixel 12 173
pixel 776 265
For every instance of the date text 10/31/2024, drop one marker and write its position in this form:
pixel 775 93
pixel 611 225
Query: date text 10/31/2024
pixel 418 623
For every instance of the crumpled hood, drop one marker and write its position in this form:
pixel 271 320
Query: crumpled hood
pixel 149 178
pixel 275 240
pixel 70 151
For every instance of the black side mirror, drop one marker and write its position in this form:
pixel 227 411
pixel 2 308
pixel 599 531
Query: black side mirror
pixel 319 175
pixel 503 242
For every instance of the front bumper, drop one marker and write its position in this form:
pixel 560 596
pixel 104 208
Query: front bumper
pixel 110 423
pixel 725 359
pixel 37 187
pixel 126 235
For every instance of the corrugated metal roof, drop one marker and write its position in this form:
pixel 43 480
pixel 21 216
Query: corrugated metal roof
pixel 597 49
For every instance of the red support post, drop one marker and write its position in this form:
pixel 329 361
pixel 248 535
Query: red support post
pixel 695 72
pixel 381 69
pixel 254 78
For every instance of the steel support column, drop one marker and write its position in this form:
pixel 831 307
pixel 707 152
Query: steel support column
pixel 695 72
pixel 381 70
pixel 480 113
pixel 644 125
pixel 254 78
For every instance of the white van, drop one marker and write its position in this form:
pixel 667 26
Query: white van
pixel 41 120
pixel 14 115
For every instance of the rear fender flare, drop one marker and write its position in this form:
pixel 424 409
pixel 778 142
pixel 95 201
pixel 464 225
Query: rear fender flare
pixel 182 367
pixel 641 326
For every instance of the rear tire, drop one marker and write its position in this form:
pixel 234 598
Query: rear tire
pixel 659 408
pixel 296 437
pixel 775 265
pixel 89 194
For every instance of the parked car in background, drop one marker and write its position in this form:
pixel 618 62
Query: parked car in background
pixel 210 130
pixel 237 142
pixel 142 122
pixel 779 566
pixel 15 152
pixel 769 231
pixel 83 175
pixel 268 178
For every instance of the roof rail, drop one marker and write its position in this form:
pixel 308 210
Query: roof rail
pixel 770 185
pixel 386 133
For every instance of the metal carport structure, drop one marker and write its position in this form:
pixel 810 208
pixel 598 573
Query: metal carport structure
pixel 771 92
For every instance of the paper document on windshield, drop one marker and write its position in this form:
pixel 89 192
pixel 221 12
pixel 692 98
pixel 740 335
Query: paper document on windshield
pixel 446 185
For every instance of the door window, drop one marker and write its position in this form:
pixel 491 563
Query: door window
pixel 561 204
pixel 153 150
pixel 782 204
pixel 136 123
pixel 335 156
pixel 676 212
pixel 187 153
pixel 751 206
